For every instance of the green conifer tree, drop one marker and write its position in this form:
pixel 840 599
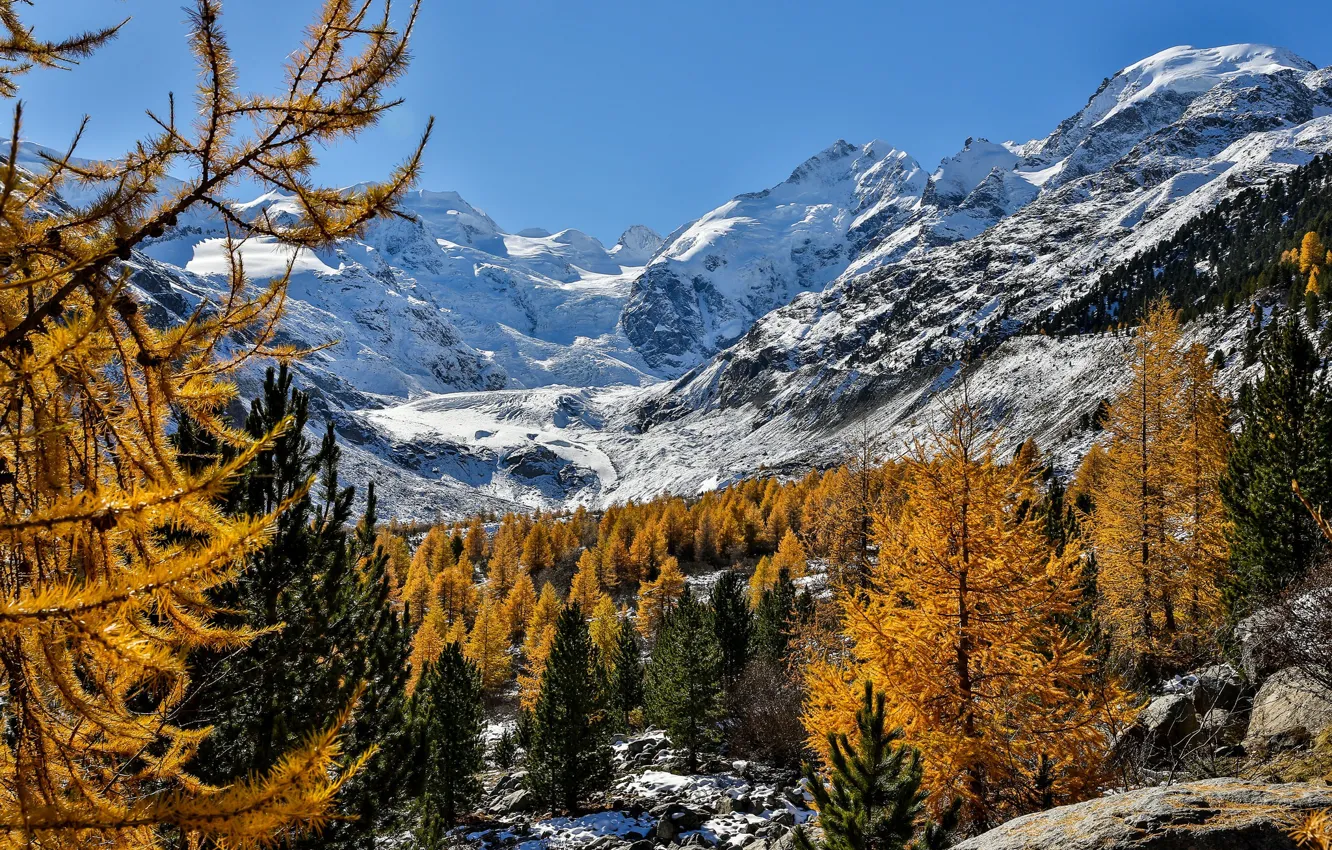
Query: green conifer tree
pixel 568 758
pixel 1286 436
pixel 775 620
pixel 873 800
pixel 448 722
pixel 683 679
pixel 321 588
pixel 625 684
pixel 733 624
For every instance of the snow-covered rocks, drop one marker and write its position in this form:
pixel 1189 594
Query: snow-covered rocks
pixel 745 805
pixel 716 275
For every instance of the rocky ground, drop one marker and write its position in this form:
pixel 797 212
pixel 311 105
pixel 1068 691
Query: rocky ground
pixel 653 803
pixel 1208 764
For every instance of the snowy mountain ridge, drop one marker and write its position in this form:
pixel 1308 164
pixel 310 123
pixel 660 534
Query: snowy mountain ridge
pixel 478 366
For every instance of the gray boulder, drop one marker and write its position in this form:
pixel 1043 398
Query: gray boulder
pixel 1167 723
pixel 1289 708
pixel 1213 814
pixel 1219 686
pixel 1261 637
pixel 521 800
pixel 666 831
pixel 1222 727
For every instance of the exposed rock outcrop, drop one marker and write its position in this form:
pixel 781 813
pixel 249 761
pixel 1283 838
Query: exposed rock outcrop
pixel 1215 814
pixel 1289 710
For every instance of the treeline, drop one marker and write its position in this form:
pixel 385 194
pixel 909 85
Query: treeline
pixel 1222 258
pixel 475 582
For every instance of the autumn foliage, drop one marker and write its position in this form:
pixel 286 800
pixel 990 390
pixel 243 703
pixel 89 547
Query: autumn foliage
pixel 959 627
pixel 110 543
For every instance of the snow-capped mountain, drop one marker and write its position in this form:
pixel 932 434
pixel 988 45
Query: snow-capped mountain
pixel 476 364
pixel 716 275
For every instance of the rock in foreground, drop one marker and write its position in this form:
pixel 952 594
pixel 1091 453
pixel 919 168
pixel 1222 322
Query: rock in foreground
pixel 1213 814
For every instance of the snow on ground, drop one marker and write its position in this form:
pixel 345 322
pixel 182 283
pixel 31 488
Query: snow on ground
pixel 579 832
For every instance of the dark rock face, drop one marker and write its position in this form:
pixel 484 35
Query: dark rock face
pixel 662 318
pixel 1215 814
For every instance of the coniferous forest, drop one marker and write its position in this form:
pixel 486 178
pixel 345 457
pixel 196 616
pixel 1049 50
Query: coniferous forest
pixel 211 640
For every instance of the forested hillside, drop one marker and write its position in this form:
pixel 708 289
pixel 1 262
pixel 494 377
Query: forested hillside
pixel 1221 259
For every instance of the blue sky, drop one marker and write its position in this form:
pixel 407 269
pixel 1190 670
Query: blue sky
pixel 599 115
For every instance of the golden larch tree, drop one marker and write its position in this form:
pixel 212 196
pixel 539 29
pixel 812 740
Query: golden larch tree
pixel 542 619
pixel 538 643
pixel 537 553
pixel 958 626
pixel 585 588
pixel 605 630
pixel 505 553
pixel 764 577
pixel 1148 491
pixel 658 597
pixel 519 603
pixel 488 645
pixel 110 542
pixel 791 556
pixel 454 592
pixel 1197 538
pixel 474 543
pixel 427 645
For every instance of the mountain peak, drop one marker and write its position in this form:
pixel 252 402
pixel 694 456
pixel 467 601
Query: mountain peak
pixel 636 245
pixel 1192 70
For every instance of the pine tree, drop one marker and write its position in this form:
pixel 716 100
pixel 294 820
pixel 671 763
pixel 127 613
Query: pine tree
pixel 1285 436
pixel 320 590
pixel 115 540
pixel 873 800
pixel 568 759
pixel 733 624
pixel 448 722
pixel 958 628
pixel 775 620
pixel 683 693
pixel 488 645
pixel 625 687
